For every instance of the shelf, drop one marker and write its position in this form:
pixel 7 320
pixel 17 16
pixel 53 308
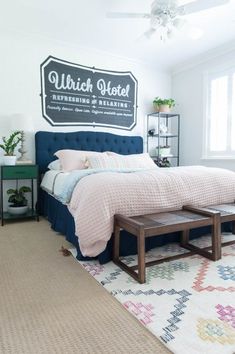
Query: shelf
pixel 163 114
pixel 19 172
pixel 172 132
pixel 165 156
pixel 30 214
pixel 163 136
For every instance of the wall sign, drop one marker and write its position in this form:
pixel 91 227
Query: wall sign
pixel 73 94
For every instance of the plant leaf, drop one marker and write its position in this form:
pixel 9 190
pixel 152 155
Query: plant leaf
pixel 11 143
pixel 24 189
pixel 11 191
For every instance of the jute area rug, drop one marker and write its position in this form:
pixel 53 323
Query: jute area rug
pixel 50 305
pixel 189 304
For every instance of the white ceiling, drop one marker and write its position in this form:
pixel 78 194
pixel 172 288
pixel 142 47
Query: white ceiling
pixel 84 23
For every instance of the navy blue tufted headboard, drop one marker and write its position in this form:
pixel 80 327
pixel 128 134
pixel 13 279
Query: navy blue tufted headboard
pixel 47 143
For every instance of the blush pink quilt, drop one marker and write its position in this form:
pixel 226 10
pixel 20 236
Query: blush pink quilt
pixel 98 197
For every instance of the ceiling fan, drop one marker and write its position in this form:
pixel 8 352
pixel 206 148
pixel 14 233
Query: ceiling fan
pixel 167 15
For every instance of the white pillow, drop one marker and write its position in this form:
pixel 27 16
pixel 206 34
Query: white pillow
pixel 106 161
pixel 74 159
pixel 55 165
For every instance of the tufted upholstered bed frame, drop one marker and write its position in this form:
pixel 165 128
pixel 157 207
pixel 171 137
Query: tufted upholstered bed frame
pixel 47 143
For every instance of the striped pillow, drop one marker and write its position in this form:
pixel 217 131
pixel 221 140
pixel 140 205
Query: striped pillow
pixel 117 161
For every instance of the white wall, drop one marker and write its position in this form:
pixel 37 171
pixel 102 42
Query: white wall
pixel 188 91
pixel 21 56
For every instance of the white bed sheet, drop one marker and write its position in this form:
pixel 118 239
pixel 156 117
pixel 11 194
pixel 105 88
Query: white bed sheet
pixel 53 182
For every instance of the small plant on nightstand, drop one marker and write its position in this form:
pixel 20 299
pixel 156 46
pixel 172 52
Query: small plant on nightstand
pixel 18 202
pixel 8 146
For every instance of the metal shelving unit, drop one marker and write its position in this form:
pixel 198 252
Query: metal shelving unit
pixel 165 138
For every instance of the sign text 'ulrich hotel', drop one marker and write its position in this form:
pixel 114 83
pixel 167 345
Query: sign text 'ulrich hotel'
pixel 76 95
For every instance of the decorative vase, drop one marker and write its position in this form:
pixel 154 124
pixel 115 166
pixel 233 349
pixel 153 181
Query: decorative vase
pixel 17 210
pixel 164 108
pixel 9 160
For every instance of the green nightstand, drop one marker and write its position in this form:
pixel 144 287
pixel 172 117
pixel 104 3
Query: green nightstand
pixel 19 172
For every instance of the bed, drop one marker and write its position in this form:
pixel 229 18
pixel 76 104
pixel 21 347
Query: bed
pixel 46 144
pixel 58 214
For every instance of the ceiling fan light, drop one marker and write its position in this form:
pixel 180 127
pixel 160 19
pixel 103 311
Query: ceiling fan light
pixel 149 33
pixel 179 22
pixel 170 34
pixel 165 21
pixel 155 22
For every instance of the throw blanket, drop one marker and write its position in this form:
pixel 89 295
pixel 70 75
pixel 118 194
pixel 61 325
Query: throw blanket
pixel 98 197
pixel 76 175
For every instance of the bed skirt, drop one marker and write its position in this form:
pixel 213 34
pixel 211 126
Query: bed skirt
pixel 62 221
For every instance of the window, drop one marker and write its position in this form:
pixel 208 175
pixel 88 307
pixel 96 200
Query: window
pixel 219 139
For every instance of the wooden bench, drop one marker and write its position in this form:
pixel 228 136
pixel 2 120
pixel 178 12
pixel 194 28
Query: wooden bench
pixel 144 226
pixel 227 214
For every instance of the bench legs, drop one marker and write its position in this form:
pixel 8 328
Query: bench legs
pixel 216 238
pixel 184 242
pixel 215 255
pixel 116 242
pixel 141 256
pixel 140 276
pixel 184 238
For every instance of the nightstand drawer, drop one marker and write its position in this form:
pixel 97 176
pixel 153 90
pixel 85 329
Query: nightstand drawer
pixel 19 172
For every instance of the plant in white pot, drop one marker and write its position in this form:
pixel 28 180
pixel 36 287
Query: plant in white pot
pixel 8 145
pixel 18 202
pixel 164 150
pixel 163 104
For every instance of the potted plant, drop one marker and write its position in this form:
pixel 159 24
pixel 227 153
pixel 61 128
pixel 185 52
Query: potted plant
pixel 162 162
pixel 18 203
pixel 163 105
pixel 9 145
pixel 164 150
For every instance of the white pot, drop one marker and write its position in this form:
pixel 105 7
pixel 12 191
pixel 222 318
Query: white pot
pixel 164 151
pixel 156 107
pixel 9 160
pixel 17 210
pixel 164 108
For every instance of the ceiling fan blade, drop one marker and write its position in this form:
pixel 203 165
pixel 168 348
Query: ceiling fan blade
pixel 201 5
pixel 126 15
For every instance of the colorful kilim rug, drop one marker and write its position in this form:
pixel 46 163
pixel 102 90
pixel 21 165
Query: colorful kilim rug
pixel 189 304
